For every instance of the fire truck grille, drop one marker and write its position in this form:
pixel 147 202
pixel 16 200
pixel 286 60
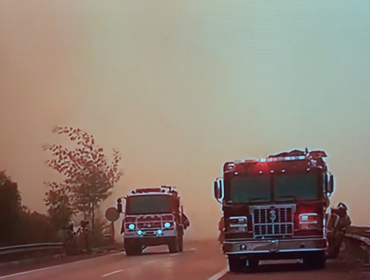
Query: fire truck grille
pixel 149 225
pixel 277 221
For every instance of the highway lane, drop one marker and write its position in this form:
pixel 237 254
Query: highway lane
pixel 200 260
pixel 340 269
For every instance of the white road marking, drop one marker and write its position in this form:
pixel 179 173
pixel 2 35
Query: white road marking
pixel 192 249
pixel 55 266
pixel 111 273
pixel 175 254
pixel 219 275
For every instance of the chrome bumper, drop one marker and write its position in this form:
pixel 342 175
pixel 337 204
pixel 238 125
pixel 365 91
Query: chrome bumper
pixel 266 246
pixel 150 234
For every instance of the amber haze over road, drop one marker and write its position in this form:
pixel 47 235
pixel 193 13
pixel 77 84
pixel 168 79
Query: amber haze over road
pixel 181 87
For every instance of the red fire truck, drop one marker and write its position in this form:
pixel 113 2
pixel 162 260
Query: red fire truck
pixel 152 216
pixel 274 208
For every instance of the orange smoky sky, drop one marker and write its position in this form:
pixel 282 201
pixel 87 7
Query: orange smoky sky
pixel 179 87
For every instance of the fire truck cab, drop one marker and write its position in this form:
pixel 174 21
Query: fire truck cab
pixel 274 208
pixel 152 216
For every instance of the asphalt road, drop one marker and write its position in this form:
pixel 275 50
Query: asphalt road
pixel 200 260
pixel 290 270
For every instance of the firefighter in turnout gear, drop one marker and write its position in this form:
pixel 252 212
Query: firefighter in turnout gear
pixel 337 225
pixel 70 242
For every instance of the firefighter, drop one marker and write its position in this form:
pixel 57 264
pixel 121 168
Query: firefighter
pixel 69 239
pixel 185 221
pixel 338 223
pixel 221 226
pixel 84 237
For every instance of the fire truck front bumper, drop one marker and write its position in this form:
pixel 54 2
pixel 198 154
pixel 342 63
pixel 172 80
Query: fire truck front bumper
pixel 152 233
pixel 274 246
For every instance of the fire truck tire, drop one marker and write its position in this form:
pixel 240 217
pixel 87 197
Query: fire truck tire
pixel 181 244
pixel 174 245
pixel 253 263
pixel 236 264
pixel 316 261
pixel 132 249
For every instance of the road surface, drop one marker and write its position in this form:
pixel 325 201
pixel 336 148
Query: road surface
pixel 200 260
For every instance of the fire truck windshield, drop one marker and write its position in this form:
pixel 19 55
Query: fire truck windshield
pixel 148 204
pixel 245 189
pixel 302 186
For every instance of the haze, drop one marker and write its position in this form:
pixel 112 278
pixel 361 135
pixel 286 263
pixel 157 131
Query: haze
pixel 181 86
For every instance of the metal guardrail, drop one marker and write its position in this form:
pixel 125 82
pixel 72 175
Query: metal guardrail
pixel 40 250
pixel 30 247
pixel 19 251
pixel 361 238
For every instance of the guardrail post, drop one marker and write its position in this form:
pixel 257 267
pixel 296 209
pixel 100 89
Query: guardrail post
pixel 365 257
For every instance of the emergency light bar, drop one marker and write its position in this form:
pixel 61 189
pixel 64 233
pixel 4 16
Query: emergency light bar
pixel 162 189
pixel 312 156
pixel 286 158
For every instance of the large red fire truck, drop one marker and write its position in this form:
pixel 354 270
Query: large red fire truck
pixel 152 216
pixel 274 208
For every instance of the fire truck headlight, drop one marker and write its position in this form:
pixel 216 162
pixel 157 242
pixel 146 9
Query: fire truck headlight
pixel 238 229
pixel 237 224
pixel 304 218
pixel 131 226
pixel 159 231
pixel 309 221
pixel 167 225
pixel 139 232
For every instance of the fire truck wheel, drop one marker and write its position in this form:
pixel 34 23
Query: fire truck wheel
pixel 316 261
pixel 173 246
pixel 132 249
pixel 236 264
pixel 253 263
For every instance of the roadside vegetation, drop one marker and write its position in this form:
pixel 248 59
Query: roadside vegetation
pixel 89 179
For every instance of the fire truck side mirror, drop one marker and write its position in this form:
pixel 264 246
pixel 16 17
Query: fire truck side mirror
pixel 218 189
pixel 329 183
